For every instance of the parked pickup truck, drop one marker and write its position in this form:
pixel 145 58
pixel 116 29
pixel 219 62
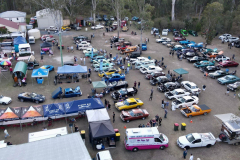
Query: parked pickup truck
pixel 196 140
pixel 195 110
pixel 68 92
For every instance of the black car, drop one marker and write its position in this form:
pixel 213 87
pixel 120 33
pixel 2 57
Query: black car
pixel 116 85
pixel 234 87
pixel 210 68
pixel 197 59
pixel 33 97
pixel 81 38
pixel 32 64
pixel 169 86
pixel 124 92
pixel 114 39
pixel 218 74
pixel 159 80
pixel 237 44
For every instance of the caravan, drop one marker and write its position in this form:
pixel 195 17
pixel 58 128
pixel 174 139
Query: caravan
pixel 144 138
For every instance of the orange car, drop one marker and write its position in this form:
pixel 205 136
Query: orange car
pixel 195 110
pixel 212 54
pixel 130 49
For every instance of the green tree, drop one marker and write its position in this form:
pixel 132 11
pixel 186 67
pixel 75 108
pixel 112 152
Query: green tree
pixel 211 17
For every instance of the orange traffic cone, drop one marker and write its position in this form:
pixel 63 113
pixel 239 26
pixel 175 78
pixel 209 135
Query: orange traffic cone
pixel 191 121
pixel 125 127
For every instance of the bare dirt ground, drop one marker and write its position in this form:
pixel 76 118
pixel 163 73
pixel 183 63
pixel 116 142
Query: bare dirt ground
pixel 213 97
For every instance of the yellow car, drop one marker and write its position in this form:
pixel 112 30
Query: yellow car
pixel 109 72
pixel 129 104
pixel 66 28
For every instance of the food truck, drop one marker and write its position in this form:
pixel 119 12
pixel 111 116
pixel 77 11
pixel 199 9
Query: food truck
pixel 144 138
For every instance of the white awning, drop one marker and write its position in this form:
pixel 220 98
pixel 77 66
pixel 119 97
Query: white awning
pixel 226 117
pixel 97 115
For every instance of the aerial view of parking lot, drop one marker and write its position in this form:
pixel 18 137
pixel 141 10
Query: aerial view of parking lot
pixel 120 80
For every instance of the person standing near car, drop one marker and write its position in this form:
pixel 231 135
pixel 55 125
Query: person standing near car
pixel 204 87
pixel 184 153
pixel 163 103
pixel 227 92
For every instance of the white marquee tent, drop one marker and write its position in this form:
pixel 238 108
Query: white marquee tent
pixel 97 115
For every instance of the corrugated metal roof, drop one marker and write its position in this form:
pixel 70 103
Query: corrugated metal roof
pixel 8 23
pixel 67 147
pixel 12 14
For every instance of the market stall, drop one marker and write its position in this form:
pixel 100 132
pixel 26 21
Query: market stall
pixel 180 71
pixel 39 74
pixel 97 115
pixel 54 110
pixel 9 114
pixel 17 41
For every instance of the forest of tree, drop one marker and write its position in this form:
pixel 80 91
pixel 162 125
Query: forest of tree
pixel 205 16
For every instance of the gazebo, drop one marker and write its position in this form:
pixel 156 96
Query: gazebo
pixel 180 71
pixel 40 73
pixel 99 84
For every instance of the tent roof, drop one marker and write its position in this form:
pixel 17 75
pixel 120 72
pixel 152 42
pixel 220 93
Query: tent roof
pixel 19 40
pixel 99 84
pixel 226 117
pixel 53 109
pixel 66 69
pixel 102 129
pixel 20 67
pixel 40 72
pixel 64 147
pixel 32 111
pixel 25 45
pixel 82 105
pixel 45 45
pixel 97 115
pixel 10 113
pixel 180 71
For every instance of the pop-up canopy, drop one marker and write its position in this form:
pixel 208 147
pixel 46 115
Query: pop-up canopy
pixel 97 115
pixel 10 113
pixel 66 69
pixel 101 129
pixel 99 84
pixel 53 110
pixel 31 112
pixel 40 73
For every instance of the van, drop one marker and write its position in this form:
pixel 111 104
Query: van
pixel 144 138
pixel 104 155
pixel 134 54
pixel 31 40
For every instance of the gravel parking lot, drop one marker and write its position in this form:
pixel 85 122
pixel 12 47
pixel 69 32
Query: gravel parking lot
pixel 214 97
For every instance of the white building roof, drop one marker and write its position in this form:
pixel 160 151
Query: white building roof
pixel 12 14
pixel 44 12
pixel 65 147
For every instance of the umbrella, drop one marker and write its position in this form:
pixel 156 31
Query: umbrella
pixel 5 63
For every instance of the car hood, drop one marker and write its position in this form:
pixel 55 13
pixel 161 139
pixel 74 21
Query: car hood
pixel 125 113
pixel 39 96
pixel 183 140
pixel 119 104
pixel 5 99
pixel 222 79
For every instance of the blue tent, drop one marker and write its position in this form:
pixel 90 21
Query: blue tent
pixel 82 105
pixel 17 41
pixel 40 72
pixel 66 69
pixel 55 109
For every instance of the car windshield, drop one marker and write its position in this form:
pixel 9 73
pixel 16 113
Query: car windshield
pixel 33 95
pixel 122 91
pixel 152 73
pixel 190 138
pixel 228 78
pixel 181 100
pixel 193 109
pixel 131 113
pixel 126 102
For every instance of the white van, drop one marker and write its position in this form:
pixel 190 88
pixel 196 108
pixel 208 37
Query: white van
pixel 31 40
pixel 104 155
pixel 144 64
pixel 144 138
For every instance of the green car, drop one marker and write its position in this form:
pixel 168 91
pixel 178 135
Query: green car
pixel 228 79
pixel 193 33
pixel 184 32
pixel 218 74
pixel 204 64
pixel 208 50
pixel 90 53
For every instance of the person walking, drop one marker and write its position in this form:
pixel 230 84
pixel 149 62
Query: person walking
pixel 72 49
pixel 152 91
pixel 113 117
pixel 191 157
pixel 227 92
pixel 184 153
pixel 81 59
pixel 68 48
pixel 204 87
pixel 233 57
pixel 157 119
pixel 162 58
pixel 138 85
pixel 91 36
pixel 124 60
pixel 84 60
pixel 166 112
pixel 234 95
pixel 148 40
pixel 151 122
pixel 135 84
pixel 167 104
pixel 111 46
pixel 150 98
pixel 163 103
pixel 160 121
pixel 90 70
pixel 6 133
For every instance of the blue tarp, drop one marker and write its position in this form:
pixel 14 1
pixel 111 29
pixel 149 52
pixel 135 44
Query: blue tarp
pixel 55 109
pixel 40 72
pixel 17 41
pixel 66 69
pixel 82 105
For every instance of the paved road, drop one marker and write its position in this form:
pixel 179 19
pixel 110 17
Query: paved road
pixel 213 97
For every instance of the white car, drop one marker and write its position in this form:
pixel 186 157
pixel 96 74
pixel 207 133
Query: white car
pixel 97 27
pixel 144 64
pixel 50 39
pixel 191 87
pixel 115 23
pixel 126 18
pixel 166 42
pixel 112 18
pixel 231 39
pixel 5 100
pixel 105 67
pixel 176 93
pixel 150 69
pixel 97 62
pixel 163 39
pixel 184 101
pixel 224 36
pixel 193 140
pixel 89 50
pixel 138 59
pixel 220 58
pixel 84 42
pixel 165 32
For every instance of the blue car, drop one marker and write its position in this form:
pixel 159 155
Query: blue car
pixel 70 92
pixel 204 64
pixel 135 18
pixel 115 77
pixel 49 67
pixel 97 58
pixel 186 42
pixel 192 45
pixel 144 47
pixel 228 79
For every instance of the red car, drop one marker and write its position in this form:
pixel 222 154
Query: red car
pixel 177 39
pixel 228 64
pixel 134 114
pixel 45 36
pixel 122 48
pixel 154 75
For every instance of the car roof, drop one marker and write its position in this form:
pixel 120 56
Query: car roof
pixel 68 89
pixel 131 99
pixel 192 84
pixel 187 97
pixel 179 90
pixel 137 111
pixel 115 74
